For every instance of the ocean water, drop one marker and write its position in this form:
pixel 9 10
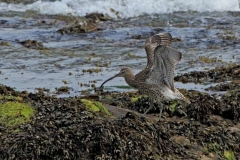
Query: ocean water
pixel 122 8
pixel 209 33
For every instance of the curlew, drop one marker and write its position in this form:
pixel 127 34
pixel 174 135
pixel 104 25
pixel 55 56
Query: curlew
pixel 157 79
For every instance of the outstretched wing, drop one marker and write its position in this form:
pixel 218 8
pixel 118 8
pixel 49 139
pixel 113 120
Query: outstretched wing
pixel 153 42
pixel 150 46
pixel 165 61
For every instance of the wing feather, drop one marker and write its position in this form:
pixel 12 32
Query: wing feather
pixel 165 61
pixel 153 42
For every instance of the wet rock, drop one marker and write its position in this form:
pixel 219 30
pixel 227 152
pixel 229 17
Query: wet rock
pixel 219 74
pixel 142 104
pixel 80 27
pixel 63 89
pixel 181 140
pixel 232 99
pixel 202 106
pixel 203 157
pixel 19 1
pixel 62 128
pixel 176 40
pixel 89 23
pixel 234 129
pixel 4 43
pixel 91 70
pixel 223 87
pixel 33 44
pixel 98 90
pixel 98 17
pixel 237 72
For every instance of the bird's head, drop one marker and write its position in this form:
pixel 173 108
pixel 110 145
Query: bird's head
pixel 125 72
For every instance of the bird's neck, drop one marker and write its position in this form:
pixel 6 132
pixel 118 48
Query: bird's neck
pixel 130 79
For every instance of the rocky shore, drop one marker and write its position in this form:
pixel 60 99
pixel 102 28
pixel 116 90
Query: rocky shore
pixel 75 54
pixel 70 128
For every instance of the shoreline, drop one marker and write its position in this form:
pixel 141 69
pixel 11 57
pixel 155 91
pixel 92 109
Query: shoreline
pixel 65 128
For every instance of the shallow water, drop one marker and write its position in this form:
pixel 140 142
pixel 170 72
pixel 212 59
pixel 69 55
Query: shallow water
pixel 208 40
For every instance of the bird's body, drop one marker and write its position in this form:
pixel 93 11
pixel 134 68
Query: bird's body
pixel 157 79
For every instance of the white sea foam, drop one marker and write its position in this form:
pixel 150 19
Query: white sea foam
pixel 126 8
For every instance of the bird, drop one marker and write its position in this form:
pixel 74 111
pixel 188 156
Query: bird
pixel 150 44
pixel 156 80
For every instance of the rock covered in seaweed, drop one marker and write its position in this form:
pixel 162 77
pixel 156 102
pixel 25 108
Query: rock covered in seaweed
pixel 63 128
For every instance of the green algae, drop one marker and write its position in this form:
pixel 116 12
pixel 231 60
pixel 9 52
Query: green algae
pixel 14 113
pixel 134 99
pixel 95 106
pixel 229 155
pixel 102 107
pixel 173 106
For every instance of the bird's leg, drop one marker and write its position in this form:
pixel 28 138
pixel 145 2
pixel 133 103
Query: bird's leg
pixel 151 106
pixel 160 105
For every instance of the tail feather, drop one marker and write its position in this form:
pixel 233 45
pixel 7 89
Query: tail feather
pixel 182 97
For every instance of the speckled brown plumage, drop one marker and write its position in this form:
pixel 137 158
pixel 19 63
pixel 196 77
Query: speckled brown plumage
pixel 157 79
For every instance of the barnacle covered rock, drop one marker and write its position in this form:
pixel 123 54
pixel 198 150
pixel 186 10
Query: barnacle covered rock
pixel 223 87
pixel 64 128
pixel 202 106
pixel 219 74
pixel 33 44
pixel 232 99
pixel 79 27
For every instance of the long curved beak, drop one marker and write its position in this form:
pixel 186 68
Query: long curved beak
pixel 109 80
pixel 101 87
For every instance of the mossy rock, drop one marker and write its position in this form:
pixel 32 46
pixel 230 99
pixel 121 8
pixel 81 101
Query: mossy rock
pixel 11 98
pixel 14 113
pixel 95 106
